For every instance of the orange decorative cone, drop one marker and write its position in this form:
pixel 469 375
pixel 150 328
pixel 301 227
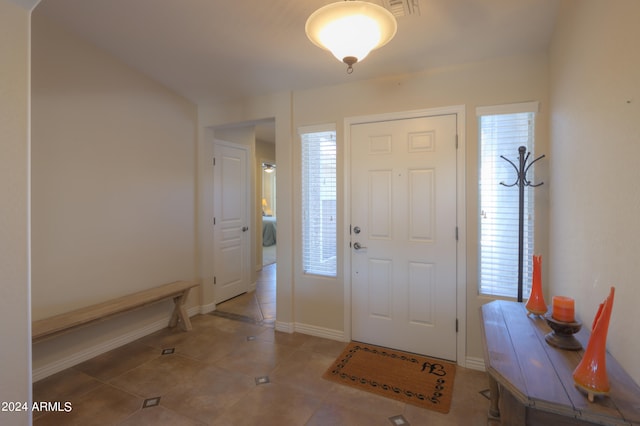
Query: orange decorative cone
pixel 536 304
pixel 591 374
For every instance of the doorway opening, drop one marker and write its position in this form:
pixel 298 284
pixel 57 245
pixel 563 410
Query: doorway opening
pixel 257 306
pixel 269 221
pixel 258 303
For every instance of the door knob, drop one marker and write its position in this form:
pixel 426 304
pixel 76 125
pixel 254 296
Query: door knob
pixel 357 246
pixel 245 228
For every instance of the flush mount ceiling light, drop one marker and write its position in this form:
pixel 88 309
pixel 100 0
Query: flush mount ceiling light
pixel 351 29
pixel 269 168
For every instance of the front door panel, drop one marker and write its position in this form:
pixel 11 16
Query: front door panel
pixel 403 201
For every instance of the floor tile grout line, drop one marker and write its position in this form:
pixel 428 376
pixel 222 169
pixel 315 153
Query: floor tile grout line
pixel 260 308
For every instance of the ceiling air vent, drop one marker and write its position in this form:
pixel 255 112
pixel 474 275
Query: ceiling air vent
pixel 401 8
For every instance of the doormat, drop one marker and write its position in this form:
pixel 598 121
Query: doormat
pixel 414 379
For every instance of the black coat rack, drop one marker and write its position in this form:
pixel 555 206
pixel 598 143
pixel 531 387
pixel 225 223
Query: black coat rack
pixel 521 181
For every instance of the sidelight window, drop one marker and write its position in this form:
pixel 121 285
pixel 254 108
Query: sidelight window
pixel 502 130
pixel 319 230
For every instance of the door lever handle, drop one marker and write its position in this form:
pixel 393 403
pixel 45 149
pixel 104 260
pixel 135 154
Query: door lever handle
pixel 357 246
pixel 245 228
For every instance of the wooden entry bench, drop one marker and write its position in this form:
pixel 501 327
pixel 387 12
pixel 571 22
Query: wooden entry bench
pixel 178 290
pixel 531 382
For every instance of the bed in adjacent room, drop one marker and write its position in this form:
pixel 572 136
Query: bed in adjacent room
pixel 268 231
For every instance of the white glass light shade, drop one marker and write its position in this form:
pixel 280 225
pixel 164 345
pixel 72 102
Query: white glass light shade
pixel 351 29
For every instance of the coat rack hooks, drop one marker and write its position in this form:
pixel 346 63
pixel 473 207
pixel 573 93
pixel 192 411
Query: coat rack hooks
pixel 521 182
pixel 523 169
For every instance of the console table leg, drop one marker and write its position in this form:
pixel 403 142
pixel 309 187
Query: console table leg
pixel 494 410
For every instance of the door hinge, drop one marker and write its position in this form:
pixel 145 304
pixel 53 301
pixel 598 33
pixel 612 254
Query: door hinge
pixel 214 283
pixel 214 221
pixel 456 325
pixel 456 141
pixel 456 233
pixel 214 159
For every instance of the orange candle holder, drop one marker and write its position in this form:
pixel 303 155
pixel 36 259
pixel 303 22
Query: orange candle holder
pixel 536 304
pixel 563 309
pixel 562 320
pixel 590 375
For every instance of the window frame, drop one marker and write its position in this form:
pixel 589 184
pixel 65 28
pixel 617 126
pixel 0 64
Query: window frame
pixel 510 289
pixel 330 268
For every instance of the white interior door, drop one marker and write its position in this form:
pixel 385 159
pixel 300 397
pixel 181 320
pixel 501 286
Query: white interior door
pixel 403 239
pixel 231 221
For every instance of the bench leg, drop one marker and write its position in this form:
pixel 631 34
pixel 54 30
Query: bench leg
pixel 180 313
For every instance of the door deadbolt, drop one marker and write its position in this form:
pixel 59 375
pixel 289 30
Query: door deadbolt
pixel 356 230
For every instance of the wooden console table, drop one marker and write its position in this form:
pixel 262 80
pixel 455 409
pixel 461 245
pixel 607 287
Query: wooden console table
pixel 531 382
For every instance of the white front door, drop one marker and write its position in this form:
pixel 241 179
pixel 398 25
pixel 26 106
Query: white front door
pixel 403 234
pixel 231 221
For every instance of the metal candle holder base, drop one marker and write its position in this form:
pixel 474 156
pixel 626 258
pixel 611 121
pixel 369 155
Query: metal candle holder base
pixel 562 335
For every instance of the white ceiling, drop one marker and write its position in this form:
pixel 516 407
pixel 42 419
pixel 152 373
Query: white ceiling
pixel 215 50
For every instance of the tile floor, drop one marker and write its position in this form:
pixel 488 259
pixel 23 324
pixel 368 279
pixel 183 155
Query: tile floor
pixel 235 369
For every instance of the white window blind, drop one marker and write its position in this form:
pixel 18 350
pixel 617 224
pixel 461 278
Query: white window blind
pixel 319 231
pixel 501 133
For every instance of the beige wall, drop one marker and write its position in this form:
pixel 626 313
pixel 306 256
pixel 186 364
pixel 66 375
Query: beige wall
pixel 595 134
pixel 113 188
pixel 587 208
pixel 15 354
pixel 318 306
pixel 507 80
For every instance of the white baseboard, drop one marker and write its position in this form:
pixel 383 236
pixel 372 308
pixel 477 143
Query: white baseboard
pixel 326 333
pixel 285 327
pixel 312 330
pixel 86 354
pixel 475 363
pixel 207 309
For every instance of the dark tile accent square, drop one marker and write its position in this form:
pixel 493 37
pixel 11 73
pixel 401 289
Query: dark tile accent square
pixel 151 402
pixel 168 351
pixel 486 393
pixel 399 420
pixel 263 380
